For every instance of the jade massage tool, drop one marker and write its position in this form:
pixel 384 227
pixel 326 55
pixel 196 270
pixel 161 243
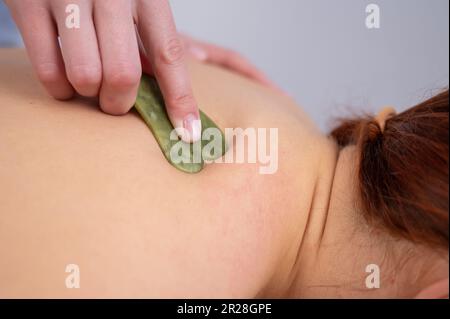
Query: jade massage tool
pixel 150 105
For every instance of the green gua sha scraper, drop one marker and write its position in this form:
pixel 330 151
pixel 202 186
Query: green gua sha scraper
pixel 151 107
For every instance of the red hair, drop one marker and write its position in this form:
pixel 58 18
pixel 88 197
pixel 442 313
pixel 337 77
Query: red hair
pixel 403 174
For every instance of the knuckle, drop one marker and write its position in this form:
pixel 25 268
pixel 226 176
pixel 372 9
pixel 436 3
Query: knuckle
pixel 48 73
pixel 113 106
pixel 85 76
pixel 172 53
pixel 122 76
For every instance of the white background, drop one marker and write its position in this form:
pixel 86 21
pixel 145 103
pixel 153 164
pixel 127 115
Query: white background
pixel 321 52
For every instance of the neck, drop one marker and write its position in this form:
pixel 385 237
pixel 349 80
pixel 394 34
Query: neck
pixel 341 255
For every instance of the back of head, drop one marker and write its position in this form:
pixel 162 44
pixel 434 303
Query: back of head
pixel 404 170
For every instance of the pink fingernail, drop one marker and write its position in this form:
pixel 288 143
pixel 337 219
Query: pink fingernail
pixel 198 53
pixel 193 127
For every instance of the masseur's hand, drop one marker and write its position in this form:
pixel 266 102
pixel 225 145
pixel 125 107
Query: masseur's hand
pixel 226 58
pixel 101 57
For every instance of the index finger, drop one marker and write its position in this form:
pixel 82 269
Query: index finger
pixel 165 51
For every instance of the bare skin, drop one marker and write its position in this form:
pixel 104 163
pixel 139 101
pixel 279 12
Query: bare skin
pixel 78 186
pixel 99 55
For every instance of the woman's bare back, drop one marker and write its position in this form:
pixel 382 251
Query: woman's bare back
pixel 81 187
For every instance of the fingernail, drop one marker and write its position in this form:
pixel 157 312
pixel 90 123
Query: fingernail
pixel 198 53
pixel 193 127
